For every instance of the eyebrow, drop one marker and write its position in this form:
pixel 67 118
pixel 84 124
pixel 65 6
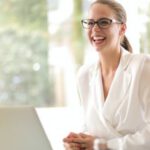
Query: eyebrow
pixel 101 18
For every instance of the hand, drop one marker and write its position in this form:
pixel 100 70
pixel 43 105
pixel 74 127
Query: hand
pixel 79 141
pixel 100 144
pixel 103 147
pixel 86 141
pixel 69 143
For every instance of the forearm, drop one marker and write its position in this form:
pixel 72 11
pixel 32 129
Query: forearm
pixel 138 141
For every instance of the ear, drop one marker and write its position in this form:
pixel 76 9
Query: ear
pixel 123 29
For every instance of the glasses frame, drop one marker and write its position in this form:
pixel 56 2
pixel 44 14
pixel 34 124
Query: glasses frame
pixel 111 21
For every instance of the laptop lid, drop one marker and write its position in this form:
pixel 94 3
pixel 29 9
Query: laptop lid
pixel 20 129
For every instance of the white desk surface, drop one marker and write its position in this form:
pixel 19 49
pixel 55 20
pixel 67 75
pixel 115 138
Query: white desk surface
pixel 58 122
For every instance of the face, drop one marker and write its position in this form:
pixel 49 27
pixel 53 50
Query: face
pixel 104 38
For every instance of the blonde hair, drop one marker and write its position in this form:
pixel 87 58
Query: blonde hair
pixel 121 16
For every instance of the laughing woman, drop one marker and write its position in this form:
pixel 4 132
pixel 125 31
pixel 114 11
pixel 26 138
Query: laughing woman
pixel 114 91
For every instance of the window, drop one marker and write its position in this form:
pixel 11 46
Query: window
pixel 25 77
pixel 43 45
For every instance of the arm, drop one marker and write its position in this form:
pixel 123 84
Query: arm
pixel 141 139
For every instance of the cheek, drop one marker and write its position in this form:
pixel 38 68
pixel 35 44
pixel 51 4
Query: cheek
pixel 114 33
pixel 112 37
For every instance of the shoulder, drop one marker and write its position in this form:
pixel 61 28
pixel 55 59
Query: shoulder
pixel 145 63
pixel 135 63
pixel 139 60
pixel 84 77
pixel 144 78
pixel 134 58
pixel 85 70
pixel 139 67
pixel 141 57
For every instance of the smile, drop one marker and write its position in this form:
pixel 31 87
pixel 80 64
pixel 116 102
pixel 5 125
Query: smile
pixel 98 39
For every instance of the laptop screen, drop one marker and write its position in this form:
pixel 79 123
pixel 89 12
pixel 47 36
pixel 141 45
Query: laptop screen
pixel 21 129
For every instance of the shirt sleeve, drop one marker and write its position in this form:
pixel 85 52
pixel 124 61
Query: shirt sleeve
pixel 79 84
pixel 141 139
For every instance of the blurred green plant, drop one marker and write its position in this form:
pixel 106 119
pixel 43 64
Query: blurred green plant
pixel 27 14
pixel 145 36
pixel 25 77
pixel 77 35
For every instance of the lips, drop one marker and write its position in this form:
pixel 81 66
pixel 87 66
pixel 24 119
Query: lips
pixel 98 39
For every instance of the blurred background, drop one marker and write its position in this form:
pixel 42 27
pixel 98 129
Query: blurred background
pixel 42 45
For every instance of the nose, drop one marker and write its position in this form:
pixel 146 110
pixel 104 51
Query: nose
pixel 96 27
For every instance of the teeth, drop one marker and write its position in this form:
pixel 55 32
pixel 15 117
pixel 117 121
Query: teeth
pixel 98 38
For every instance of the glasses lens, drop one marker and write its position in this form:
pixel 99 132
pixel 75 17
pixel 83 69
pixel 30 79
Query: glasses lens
pixel 87 23
pixel 104 22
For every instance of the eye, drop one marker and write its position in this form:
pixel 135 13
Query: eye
pixel 104 22
pixel 89 22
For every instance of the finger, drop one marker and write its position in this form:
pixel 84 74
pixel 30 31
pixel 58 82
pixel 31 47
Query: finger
pixel 75 146
pixel 66 146
pixel 72 146
pixel 72 134
pixel 66 140
pixel 83 145
pixel 70 137
pixel 70 140
pixel 83 135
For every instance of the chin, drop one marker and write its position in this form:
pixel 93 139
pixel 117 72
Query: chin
pixel 97 48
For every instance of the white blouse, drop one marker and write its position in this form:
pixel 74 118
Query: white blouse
pixel 124 117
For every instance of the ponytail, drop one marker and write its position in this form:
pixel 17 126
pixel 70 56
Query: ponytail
pixel 125 44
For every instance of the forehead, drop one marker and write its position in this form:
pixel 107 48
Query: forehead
pixel 100 10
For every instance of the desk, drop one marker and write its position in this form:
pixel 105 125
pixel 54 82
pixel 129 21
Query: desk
pixel 58 122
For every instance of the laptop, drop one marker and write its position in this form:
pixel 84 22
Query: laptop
pixel 21 129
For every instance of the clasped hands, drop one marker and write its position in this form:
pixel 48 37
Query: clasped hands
pixel 80 141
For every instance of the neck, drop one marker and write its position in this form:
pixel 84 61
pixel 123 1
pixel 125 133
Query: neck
pixel 109 61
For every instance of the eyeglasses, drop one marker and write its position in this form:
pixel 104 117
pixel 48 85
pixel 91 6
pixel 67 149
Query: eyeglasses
pixel 102 23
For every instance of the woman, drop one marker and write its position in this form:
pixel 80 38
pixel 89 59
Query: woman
pixel 115 91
